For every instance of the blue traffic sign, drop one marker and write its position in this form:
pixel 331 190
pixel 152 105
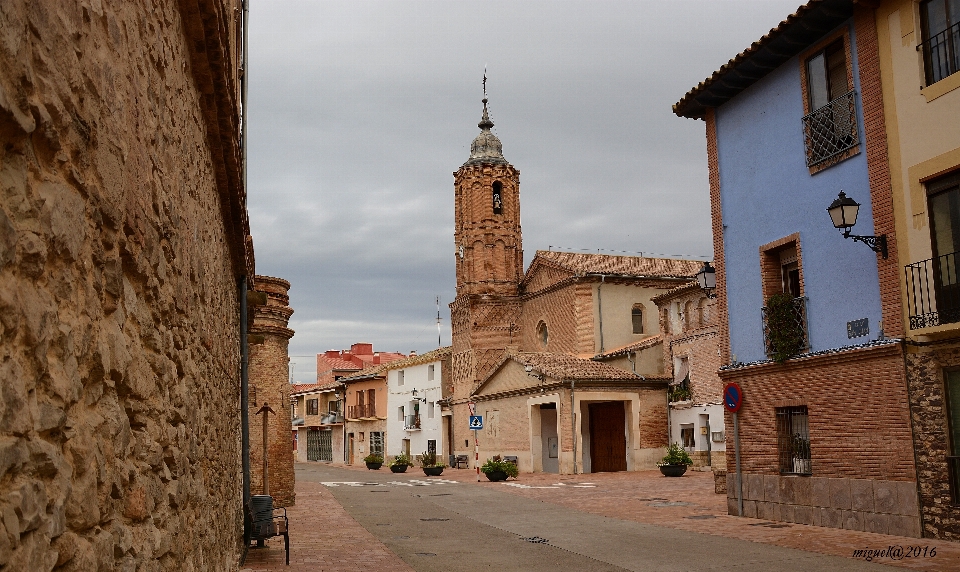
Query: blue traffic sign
pixel 732 397
pixel 476 422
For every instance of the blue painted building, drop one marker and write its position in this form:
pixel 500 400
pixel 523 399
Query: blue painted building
pixel 810 320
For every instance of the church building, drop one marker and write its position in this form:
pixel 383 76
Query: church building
pixel 531 349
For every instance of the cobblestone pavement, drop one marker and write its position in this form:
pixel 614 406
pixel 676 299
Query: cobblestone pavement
pixel 325 537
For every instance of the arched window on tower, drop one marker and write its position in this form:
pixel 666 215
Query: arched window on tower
pixel 497 198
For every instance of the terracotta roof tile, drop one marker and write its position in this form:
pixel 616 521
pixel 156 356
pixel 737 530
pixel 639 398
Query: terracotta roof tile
pixel 365 373
pixel 338 364
pixel 777 46
pixel 616 265
pixel 299 388
pixel 683 288
pixel 431 356
pixel 563 367
pixel 635 346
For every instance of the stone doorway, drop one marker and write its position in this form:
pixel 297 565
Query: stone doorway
pixel 608 437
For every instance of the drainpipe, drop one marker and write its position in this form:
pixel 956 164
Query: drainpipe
pixel 242 287
pixel 573 424
pixel 600 310
pixel 244 407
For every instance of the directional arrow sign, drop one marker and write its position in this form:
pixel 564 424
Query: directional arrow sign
pixel 476 422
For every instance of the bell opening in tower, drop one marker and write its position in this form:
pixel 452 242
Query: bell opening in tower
pixel 497 198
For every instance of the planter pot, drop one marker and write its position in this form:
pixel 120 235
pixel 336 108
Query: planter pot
pixel 673 470
pixel 374 466
pixel 433 471
pixel 398 468
pixel 496 476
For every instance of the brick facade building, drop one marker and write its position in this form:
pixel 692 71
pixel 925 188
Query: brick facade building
pixel 805 317
pixel 564 310
pixel 123 238
pixel 270 387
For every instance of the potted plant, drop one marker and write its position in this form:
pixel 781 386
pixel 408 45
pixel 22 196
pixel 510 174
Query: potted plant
pixel 430 466
pixel 400 463
pixel 374 461
pixel 496 469
pixel 801 454
pixel 674 463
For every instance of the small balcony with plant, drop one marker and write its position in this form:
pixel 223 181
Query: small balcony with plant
pixel 785 327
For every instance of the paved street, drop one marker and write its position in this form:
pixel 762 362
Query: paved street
pixel 351 519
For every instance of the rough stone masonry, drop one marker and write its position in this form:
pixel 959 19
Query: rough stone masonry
pixel 123 232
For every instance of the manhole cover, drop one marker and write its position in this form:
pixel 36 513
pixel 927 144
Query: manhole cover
pixel 425 553
pixel 701 516
pixel 770 524
pixel 382 524
pixel 403 537
pixel 442 495
pixel 537 540
pixel 434 519
pixel 670 503
pixel 376 491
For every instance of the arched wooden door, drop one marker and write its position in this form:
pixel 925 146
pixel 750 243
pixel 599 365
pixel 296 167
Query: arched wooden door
pixel 608 437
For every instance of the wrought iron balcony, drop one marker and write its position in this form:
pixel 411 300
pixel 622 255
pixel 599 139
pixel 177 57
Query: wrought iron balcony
pixel 933 291
pixel 361 411
pixel 795 328
pixel 831 130
pixel 411 422
pixel 941 54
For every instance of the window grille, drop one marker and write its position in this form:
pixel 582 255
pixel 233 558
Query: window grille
pixel 793 440
pixel 797 328
pixel 376 443
pixel 831 129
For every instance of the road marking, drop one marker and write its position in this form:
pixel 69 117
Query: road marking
pixel 410 483
pixel 519 486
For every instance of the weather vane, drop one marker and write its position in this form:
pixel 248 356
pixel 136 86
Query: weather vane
pixel 484 81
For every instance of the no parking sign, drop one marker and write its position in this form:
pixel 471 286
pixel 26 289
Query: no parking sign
pixel 732 397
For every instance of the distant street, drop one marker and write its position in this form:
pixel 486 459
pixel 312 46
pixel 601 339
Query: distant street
pixel 454 523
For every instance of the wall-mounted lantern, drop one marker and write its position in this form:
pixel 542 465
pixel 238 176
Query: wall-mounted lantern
pixel 415 398
pixel 707 279
pixel 843 212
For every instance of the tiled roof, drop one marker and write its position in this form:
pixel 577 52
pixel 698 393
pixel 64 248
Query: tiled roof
pixel 365 373
pixel 790 37
pixel 615 265
pixel 564 367
pixel 431 356
pixel 339 364
pixel 683 288
pixel 634 347
pixel 299 388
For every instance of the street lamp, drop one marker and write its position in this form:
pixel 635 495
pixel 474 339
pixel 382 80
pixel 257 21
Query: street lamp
pixel 843 212
pixel 707 279
pixel 539 376
pixel 414 394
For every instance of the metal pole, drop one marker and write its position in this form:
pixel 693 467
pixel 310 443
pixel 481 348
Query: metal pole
pixel 476 452
pixel 244 407
pixel 266 450
pixel 736 444
pixel 573 425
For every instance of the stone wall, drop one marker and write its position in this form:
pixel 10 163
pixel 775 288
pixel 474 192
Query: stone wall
pixel 941 518
pixel 121 237
pixel 269 380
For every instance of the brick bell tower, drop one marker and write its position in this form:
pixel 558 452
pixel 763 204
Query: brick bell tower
pixel 489 260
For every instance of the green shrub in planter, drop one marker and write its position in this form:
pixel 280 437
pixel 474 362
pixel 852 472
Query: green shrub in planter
pixel 373 458
pixel 497 464
pixel 401 459
pixel 676 455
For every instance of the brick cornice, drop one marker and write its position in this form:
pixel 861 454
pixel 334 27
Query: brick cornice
pixel 716 219
pixel 813 361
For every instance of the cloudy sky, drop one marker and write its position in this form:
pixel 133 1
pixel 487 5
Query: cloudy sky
pixel 361 111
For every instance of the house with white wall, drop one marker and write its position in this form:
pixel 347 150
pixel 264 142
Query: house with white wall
pixel 415 420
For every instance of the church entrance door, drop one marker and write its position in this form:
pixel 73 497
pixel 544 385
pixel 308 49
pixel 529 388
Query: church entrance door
pixel 608 438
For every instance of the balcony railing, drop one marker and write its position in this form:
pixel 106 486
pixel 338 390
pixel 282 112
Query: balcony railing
pixel 831 130
pixel 794 329
pixel 361 411
pixel 331 418
pixel 941 54
pixel 411 422
pixel 933 291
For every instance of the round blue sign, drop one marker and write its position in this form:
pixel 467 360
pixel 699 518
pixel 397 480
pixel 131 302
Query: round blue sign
pixel 732 397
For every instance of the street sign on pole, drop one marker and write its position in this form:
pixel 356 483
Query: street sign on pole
pixel 732 397
pixel 476 422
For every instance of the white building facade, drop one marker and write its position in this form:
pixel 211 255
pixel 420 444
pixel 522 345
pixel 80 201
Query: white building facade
pixel 415 422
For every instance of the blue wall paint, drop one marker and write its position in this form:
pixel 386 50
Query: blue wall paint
pixel 767 193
